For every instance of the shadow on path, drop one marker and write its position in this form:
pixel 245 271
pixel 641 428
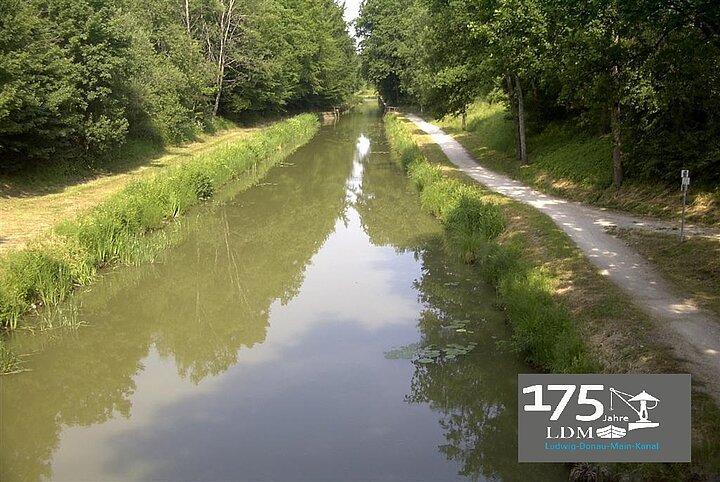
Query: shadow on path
pixel 693 333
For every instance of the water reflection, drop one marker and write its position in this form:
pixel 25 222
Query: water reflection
pixel 475 395
pixel 254 350
pixel 202 307
pixel 362 146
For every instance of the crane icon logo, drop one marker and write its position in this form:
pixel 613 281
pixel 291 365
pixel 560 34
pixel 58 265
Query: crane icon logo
pixel 639 405
pixel 642 399
pixel 618 418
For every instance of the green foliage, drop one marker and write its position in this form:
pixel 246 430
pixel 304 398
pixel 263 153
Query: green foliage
pixel 47 272
pixel 9 361
pixel 542 329
pixel 78 78
pixel 389 31
pixel 656 63
pixel 60 63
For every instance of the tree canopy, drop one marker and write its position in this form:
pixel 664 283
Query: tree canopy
pixel 645 71
pixel 80 77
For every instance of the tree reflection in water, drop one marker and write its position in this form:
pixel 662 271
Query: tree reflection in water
pixel 206 300
pixel 475 394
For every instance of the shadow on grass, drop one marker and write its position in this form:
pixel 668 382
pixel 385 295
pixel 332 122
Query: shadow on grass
pixel 52 176
pixel 48 177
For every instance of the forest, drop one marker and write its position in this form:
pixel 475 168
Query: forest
pixel 644 73
pixel 78 78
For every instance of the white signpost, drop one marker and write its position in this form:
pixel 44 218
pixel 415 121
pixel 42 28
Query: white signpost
pixel 685 184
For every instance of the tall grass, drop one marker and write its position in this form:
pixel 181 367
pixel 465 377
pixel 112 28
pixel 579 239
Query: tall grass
pixel 526 273
pixel 46 272
pixel 9 361
pixel 542 328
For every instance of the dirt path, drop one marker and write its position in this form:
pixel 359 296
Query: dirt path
pixel 693 333
pixel 23 216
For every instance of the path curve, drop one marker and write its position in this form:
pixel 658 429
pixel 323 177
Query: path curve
pixel 693 333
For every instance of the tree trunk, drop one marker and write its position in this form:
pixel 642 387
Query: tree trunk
pixel 618 171
pixel 225 24
pixel 187 15
pixel 521 122
pixel 464 119
pixel 219 85
pixel 508 79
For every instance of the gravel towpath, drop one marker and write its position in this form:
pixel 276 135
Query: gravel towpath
pixel 693 333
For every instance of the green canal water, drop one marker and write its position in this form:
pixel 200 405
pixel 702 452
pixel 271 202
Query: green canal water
pixel 277 341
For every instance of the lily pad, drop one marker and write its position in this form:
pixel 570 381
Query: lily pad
pixel 403 353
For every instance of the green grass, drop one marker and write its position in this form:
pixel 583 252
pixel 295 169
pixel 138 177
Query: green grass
pixel 9 361
pixel 560 156
pixel 45 272
pixel 542 330
pixel 693 266
pixel 569 162
pixel 541 278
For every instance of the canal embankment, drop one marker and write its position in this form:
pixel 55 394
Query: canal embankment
pixel 36 198
pixel 126 226
pixel 565 316
pixel 315 316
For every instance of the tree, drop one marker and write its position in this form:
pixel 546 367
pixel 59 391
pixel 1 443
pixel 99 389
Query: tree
pixel 453 59
pixel 63 65
pixel 169 80
pixel 78 77
pixel 514 36
pixel 39 96
pixel 388 47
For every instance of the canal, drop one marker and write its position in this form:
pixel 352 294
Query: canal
pixel 292 334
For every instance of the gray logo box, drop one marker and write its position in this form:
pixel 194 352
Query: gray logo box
pixel 604 418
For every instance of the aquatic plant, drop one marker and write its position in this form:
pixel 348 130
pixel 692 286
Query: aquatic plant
pixel 9 361
pixel 435 353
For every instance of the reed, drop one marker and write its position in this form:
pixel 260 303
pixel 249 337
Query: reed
pixel 117 231
pixel 542 328
pixel 9 361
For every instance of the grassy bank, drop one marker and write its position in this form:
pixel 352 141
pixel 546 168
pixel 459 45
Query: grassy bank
pixel 565 316
pixel 570 163
pixel 47 270
pixel 693 266
pixel 475 222
pixel 35 199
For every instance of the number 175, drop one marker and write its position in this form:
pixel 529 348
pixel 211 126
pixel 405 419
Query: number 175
pixel 569 390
